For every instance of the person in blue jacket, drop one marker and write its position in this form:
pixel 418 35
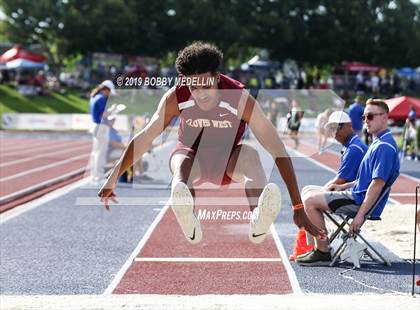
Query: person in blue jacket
pixel 355 112
pixel 100 130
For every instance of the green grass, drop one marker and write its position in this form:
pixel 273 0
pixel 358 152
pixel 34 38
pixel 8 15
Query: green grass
pixel 69 102
pixel 137 101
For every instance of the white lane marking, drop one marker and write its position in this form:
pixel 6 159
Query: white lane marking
pixel 42 148
pixel 290 272
pixel 133 255
pixel 203 201
pixel 19 161
pixel 58 163
pixel 299 154
pixel 8 215
pixel 22 145
pixel 40 185
pixel 207 259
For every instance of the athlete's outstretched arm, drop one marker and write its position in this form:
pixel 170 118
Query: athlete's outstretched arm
pixel 267 135
pixel 140 143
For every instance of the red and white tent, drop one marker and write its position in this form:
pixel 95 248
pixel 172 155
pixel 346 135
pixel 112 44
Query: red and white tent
pixel 356 66
pixel 18 52
pixel 400 106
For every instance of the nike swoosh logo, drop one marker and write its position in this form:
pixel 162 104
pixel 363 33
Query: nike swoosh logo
pixel 221 115
pixel 193 236
pixel 257 235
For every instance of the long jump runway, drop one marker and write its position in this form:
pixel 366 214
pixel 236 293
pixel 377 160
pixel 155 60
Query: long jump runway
pixel 69 245
pixel 225 262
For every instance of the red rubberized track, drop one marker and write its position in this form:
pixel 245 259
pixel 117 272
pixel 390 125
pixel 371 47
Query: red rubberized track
pixel 222 239
pixel 32 167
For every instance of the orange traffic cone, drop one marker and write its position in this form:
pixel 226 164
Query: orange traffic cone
pixel 302 245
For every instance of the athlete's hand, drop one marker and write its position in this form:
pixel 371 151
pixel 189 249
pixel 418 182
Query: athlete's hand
pixel 301 220
pixel 106 193
pixel 334 188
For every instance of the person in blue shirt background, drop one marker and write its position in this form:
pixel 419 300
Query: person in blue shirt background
pixel 100 130
pixel 412 115
pixel 355 112
pixel 379 168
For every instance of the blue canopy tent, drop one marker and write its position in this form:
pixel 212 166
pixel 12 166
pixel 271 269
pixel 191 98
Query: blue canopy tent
pixel 406 72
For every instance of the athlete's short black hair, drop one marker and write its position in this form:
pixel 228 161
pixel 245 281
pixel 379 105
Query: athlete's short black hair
pixel 199 57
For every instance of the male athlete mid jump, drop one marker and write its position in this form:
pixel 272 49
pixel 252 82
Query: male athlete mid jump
pixel 214 110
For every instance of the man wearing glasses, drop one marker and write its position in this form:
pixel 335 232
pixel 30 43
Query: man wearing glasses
pixel 379 167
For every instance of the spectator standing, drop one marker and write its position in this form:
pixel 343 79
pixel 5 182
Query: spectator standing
pixel 294 118
pixel 100 130
pixel 321 131
pixel 355 112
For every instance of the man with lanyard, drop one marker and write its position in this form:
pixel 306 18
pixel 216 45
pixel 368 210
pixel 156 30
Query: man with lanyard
pixel 214 111
pixel 379 168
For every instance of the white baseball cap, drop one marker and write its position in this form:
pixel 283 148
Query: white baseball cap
pixel 338 117
pixel 110 86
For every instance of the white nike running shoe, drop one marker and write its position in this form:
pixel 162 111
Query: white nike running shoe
pixel 182 203
pixel 265 213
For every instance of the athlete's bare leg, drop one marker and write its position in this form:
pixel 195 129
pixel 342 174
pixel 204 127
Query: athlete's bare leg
pixel 245 167
pixel 264 199
pixel 185 170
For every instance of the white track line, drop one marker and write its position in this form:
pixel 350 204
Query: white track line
pixel 22 148
pixel 403 194
pixel 133 255
pixel 22 145
pixel 290 272
pixel 19 161
pixel 299 154
pixel 58 163
pixel 8 215
pixel 207 259
pixel 41 185
pixel 55 145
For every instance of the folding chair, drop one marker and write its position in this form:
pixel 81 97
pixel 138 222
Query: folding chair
pixel 346 220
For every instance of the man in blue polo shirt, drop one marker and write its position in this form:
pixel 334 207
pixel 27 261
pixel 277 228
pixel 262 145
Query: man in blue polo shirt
pixel 355 112
pixel 339 125
pixel 379 168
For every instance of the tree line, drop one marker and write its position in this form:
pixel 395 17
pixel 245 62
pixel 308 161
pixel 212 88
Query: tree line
pixel 321 32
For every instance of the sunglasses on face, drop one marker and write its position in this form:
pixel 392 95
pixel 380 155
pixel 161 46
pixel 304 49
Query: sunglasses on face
pixel 336 127
pixel 370 116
